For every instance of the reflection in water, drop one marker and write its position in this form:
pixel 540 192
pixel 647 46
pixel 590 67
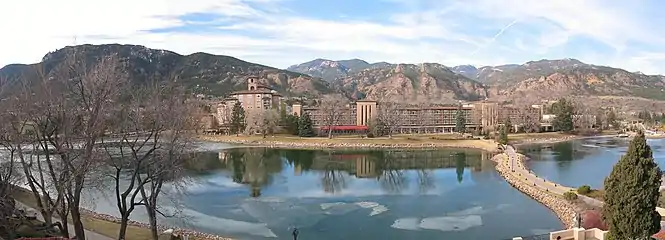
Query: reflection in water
pixel 260 193
pixel 460 163
pixel 255 167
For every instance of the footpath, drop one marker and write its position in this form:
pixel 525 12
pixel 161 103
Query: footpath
pixel 511 167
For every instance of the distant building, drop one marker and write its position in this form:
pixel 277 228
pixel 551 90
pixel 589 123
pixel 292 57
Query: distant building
pixel 257 97
pixel 479 116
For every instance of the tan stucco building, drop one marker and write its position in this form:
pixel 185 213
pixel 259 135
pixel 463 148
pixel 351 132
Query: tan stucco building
pixel 431 119
pixel 257 97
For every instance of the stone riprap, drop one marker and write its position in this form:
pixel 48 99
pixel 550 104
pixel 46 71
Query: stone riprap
pixel 564 210
pixel 342 145
pixel 191 233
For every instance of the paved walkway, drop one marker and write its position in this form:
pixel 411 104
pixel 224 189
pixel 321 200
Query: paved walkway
pixel 520 170
pixel 89 235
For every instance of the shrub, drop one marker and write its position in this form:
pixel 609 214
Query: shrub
pixel 370 135
pixel 584 189
pixel 570 196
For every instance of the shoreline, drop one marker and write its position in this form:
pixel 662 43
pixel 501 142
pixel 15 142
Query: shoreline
pixel 534 141
pixel 321 144
pixel 113 219
pixel 563 209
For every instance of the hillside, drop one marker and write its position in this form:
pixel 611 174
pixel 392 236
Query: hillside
pixel 549 79
pixel 202 73
pixel 330 70
pixel 408 82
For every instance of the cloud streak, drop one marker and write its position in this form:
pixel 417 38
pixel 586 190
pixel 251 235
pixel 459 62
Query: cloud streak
pixel 284 32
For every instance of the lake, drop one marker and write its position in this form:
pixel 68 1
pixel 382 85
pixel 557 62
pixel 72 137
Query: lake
pixel 262 193
pixel 585 161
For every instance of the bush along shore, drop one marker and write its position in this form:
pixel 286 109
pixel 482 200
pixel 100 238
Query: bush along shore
pixel 314 144
pixel 564 210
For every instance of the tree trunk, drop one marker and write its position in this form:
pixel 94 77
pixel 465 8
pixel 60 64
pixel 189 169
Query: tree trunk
pixel 330 131
pixel 152 220
pixel 123 227
pixel 76 221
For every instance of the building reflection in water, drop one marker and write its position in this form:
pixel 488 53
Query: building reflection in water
pixel 255 167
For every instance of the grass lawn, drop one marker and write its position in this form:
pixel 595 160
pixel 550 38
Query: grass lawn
pixel 106 228
pixel 440 140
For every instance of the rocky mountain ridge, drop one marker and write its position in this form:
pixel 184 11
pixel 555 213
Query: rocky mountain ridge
pixel 541 79
pixel 202 73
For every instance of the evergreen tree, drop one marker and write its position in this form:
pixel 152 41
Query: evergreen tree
pixel 631 194
pixel 503 135
pixel 282 114
pixel 238 123
pixel 509 126
pixel 563 116
pixel 291 124
pixel 305 126
pixel 612 120
pixel 460 164
pixel 460 120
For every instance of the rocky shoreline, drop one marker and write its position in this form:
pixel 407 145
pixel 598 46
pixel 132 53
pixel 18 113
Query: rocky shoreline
pixel 178 231
pixel 554 139
pixel 564 210
pixel 320 145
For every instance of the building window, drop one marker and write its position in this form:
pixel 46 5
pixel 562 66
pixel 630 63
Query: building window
pixel 251 88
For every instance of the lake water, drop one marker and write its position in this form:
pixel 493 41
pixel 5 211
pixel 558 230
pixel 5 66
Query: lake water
pixel 583 162
pixel 260 193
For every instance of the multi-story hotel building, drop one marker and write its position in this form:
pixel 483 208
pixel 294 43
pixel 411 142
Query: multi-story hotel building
pixel 356 116
pixel 417 119
pixel 256 97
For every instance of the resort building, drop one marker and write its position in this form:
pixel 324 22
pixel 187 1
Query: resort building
pixel 480 116
pixel 257 97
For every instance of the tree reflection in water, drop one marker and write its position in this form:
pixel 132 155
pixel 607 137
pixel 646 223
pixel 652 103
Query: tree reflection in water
pixel 425 180
pixel 333 180
pixel 255 167
pixel 391 177
pixel 460 164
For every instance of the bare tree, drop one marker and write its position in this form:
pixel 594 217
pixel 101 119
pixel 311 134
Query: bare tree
pixel 424 115
pixel 148 148
pixel 271 119
pixel 528 118
pixel 26 129
pixel 332 108
pixel 582 115
pixel 254 121
pixel 390 117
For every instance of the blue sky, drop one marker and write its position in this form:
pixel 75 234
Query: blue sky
pixel 279 33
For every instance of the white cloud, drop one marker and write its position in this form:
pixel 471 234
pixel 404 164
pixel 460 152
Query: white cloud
pixel 267 32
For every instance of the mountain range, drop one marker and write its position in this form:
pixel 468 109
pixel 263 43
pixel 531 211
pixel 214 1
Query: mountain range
pixel 218 75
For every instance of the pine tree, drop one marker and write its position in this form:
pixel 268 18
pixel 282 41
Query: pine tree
pixel 460 164
pixel 563 116
pixel 509 126
pixel 238 123
pixel 305 126
pixel 460 120
pixel 291 124
pixel 631 194
pixel 503 135
pixel 612 120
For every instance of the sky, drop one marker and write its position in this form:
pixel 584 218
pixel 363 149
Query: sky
pixel 280 33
